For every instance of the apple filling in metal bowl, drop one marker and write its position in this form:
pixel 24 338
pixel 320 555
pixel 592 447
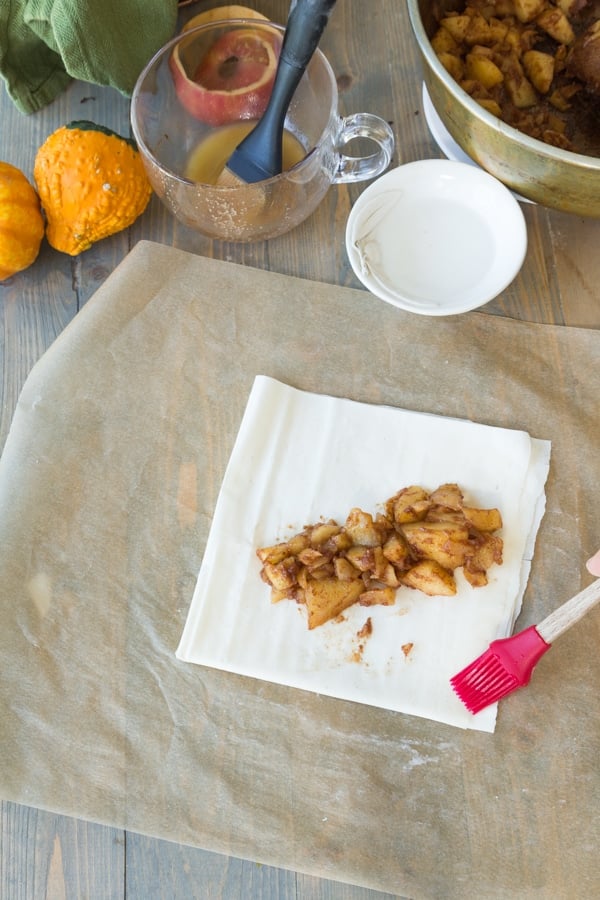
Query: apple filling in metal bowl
pixel 535 64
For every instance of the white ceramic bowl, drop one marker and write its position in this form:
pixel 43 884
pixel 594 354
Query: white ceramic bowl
pixel 436 237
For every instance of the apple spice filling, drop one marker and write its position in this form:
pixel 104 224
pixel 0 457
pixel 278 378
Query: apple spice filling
pixel 535 64
pixel 419 541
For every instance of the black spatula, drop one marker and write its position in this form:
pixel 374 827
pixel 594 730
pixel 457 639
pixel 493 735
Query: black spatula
pixel 259 155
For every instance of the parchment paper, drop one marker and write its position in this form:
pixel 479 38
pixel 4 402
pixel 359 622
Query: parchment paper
pixel 108 483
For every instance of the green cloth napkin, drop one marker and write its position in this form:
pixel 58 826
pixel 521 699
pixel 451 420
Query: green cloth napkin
pixel 46 43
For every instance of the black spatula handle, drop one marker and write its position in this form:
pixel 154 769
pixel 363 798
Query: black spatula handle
pixel 305 25
pixel 259 156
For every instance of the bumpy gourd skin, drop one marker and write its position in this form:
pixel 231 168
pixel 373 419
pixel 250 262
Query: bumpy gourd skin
pixel 21 222
pixel 92 184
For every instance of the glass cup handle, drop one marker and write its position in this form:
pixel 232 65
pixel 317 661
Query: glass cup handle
pixel 359 168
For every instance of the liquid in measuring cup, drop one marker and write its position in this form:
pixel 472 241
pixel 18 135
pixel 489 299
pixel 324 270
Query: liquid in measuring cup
pixel 210 156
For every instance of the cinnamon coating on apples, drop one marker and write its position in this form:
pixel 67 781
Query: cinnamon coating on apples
pixel 419 541
pixel 535 64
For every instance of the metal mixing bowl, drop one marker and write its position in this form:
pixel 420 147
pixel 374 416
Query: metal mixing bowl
pixel 547 175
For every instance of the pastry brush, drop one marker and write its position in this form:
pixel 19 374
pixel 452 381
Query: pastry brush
pixel 508 663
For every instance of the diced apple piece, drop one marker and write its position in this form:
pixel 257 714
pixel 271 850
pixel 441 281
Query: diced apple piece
pixel 447 544
pixel 453 65
pixel 273 554
pixel 323 532
pixel 343 568
pixel 408 505
pixel 312 558
pixel 569 7
pixel 561 98
pixel 527 10
pixel 430 578
pixel 554 22
pixel 492 106
pixel 487 552
pixel 318 573
pixel 326 599
pixel 363 529
pixel 282 575
pixel 483 70
pixel 276 553
pixel 483 519
pixel 380 564
pixel 337 543
pixel 478 32
pixel 362 558
pixel 297 543
pixel 378 597
pixel 498 31
pixel 457 26
pixel 475 577
pixel 397 551
pixel 539 68
pixel 443 42
pixel 512 41
pixel 389 576
pixel 449 495
pixel 444 514
pixel 520 90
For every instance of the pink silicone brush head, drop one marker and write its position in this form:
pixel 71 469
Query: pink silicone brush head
pixel 506 665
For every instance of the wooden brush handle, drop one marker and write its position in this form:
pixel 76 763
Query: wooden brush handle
pixel 570 612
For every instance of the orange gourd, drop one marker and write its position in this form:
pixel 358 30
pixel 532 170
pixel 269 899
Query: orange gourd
pixel 21 222
pixel 92 183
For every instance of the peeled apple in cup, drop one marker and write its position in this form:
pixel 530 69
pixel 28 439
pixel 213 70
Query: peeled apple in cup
pixel 21 222
pixel 233 80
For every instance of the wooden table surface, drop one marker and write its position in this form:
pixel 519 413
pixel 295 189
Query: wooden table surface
pixel 374 56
